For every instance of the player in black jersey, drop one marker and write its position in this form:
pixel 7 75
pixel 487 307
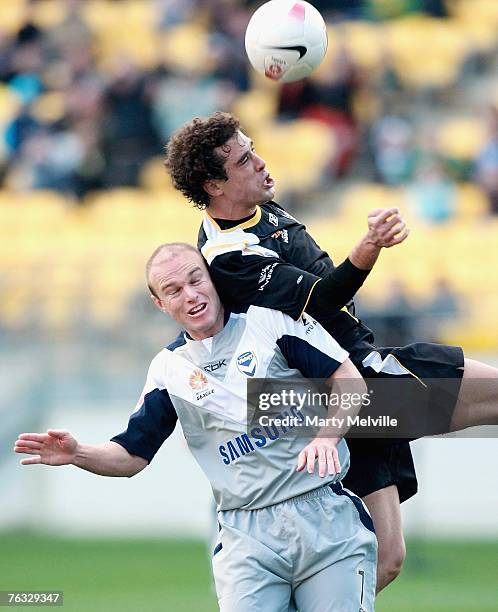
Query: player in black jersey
pixel 259 254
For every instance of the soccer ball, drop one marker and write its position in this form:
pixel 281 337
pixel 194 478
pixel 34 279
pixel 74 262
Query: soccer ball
pixel 286 39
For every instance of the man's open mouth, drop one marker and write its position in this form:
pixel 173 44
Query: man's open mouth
pixel 197 309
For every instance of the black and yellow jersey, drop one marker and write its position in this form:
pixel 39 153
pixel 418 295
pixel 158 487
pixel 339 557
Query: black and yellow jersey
pixel 269 260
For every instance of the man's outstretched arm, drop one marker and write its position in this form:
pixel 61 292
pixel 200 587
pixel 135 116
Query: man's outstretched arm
pixel 246 275
pixel 59 447
pixel 386 228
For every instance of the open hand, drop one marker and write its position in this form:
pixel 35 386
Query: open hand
pixel 56 447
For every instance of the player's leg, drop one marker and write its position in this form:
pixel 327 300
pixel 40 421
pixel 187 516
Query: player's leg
pixel 245 582
pixel 382 473
pixel 335 552
pixel 347 585
pixel 249 570
pixel 478 397
pixel 384 508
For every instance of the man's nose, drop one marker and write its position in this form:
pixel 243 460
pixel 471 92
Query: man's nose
pixel 190 293
pixel 259 162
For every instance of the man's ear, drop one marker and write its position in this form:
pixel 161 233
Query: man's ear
pixel 213 187
pixel 157 302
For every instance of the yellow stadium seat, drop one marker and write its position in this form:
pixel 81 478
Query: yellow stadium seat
pixel 296 152
pixel 472 203
pixel 255 108
pixel 186 47
pixel 12 15
pixel 49 13
pixel 364 42
pixel 49 107
pixel 461 137
pixel 10 104
pixel 360 199
pixel 153 175
pixel 481 10
pixel 426 52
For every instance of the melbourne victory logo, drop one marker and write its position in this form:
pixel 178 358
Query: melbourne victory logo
pixel 247 363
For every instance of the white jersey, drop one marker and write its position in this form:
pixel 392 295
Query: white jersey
pixel 203 383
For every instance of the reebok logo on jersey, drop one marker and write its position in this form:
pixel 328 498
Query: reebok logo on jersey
pixel 283 233
pixel 273 219
pixel 247 363
pixel 300 278
pixel 212 367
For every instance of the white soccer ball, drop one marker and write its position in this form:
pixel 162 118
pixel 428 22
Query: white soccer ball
pixel 286 39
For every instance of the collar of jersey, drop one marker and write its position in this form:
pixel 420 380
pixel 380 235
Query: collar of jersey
pixel 226 317
pixel 254 220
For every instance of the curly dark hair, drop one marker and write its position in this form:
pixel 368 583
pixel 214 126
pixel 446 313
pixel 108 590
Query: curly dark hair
pixel 190 156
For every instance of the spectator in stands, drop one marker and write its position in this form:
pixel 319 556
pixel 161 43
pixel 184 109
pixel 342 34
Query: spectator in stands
pixel 129 133
pixel 71 33
pixel 486 163
pixel 327 98
pixel 432 193
pixel 227 28
pixel 174 12
pixel 435 8
pixel 22 127
pixel 395 317
pixel 393 149
pixel 442 306
pixel 178 97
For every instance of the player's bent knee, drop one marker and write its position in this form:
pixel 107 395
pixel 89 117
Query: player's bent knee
pixel 390 564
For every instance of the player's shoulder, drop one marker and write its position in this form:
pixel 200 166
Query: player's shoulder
pixel 278 211
pixel 161 359
pixel 178 342
pixel 268 318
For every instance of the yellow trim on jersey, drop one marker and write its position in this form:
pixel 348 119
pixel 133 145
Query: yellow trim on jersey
pixel 309 295
pixel 345 309
pixel 220 247
pixel 249 223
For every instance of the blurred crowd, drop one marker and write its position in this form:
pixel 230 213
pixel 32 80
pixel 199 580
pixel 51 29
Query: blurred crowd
pixel 399 319
pixel 81 123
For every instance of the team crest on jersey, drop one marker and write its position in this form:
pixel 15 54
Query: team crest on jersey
pixel 247 363
pixel 273 219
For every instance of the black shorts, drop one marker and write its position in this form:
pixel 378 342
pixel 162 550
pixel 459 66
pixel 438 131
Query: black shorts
pixel 418 383
pixel 375 466
pixel 379 463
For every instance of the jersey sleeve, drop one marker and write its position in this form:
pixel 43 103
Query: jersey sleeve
pixel 305 344
pixel 153 420
pixel 243 280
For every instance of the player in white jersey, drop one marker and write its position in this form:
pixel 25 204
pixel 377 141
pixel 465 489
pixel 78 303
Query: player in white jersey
pixel 259 254
pixel 290 535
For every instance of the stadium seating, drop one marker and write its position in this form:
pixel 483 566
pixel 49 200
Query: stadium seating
pixel 57 259
pixel 96 253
